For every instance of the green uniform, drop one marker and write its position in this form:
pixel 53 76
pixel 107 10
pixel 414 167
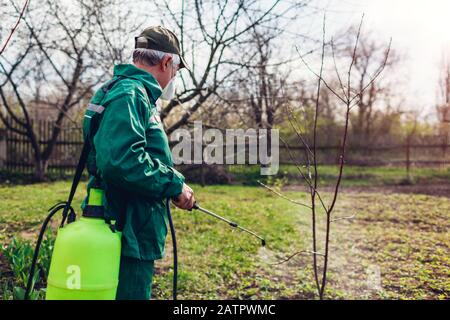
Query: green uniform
pixel 135 279
pixel 133 164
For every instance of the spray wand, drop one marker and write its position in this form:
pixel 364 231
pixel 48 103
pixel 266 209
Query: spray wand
pixel 231 223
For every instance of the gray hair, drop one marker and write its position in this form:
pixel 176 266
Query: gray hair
pixel 151 57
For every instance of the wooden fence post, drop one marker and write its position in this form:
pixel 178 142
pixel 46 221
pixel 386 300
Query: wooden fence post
pixel 444 149
pixel 3 154
pixel 408 155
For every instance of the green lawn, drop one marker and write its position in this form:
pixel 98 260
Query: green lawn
pixel 402 239
pixel 289 174
pixel 353 175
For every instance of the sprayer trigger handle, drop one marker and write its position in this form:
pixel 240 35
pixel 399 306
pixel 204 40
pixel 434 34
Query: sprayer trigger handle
pixel 195 206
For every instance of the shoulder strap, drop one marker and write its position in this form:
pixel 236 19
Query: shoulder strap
pixel 82 163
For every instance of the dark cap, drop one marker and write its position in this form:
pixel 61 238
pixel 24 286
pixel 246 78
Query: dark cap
pixel 161 39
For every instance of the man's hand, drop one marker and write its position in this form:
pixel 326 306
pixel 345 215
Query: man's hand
pixel 186 199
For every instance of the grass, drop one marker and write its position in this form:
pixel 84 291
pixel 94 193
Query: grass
pixel 353 175
pixel 249 174
pixel 397 246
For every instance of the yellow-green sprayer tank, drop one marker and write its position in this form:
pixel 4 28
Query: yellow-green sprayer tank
pixel 86 257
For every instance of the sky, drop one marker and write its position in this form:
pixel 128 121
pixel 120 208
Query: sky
pixel 420 31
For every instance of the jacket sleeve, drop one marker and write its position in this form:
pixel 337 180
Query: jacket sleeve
pixel 121 157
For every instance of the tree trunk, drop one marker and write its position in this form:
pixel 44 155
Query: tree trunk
pixel 40 170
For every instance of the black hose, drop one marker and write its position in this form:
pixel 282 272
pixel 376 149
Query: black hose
pixel 52 210
pixel 175 256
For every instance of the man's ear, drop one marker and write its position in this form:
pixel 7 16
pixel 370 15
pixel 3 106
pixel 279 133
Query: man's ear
pixel 165 63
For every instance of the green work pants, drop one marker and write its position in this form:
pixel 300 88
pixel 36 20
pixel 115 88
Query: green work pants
pixel 135 279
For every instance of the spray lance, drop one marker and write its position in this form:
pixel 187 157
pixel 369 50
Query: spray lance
pixel 231 223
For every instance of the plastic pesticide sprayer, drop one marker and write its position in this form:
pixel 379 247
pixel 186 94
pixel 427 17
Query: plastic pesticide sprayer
pixel 231 223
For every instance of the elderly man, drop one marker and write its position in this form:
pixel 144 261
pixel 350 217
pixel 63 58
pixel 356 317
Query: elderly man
pixel 131 160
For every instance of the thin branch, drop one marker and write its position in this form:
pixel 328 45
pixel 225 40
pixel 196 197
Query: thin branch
pixel 354 57
pixel 8 126
pixel 303 174
pixel 299 135
pixel 283 196
pixel 15 27
pixel 341 84
pixel 343 218
pixel 318 76
pixel 377 73
pixel 296 254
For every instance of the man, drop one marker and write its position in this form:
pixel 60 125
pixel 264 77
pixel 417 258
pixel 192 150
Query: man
pixel 131 160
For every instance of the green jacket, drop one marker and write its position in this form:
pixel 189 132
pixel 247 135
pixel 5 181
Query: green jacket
pixel 132 161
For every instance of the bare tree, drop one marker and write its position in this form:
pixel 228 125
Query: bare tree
pixel 320 210
pixel 61 56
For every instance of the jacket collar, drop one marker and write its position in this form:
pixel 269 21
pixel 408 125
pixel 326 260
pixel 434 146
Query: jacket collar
pixel 148 80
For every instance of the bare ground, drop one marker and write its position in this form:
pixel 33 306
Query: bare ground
pixel 396 246
pixel 438 190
